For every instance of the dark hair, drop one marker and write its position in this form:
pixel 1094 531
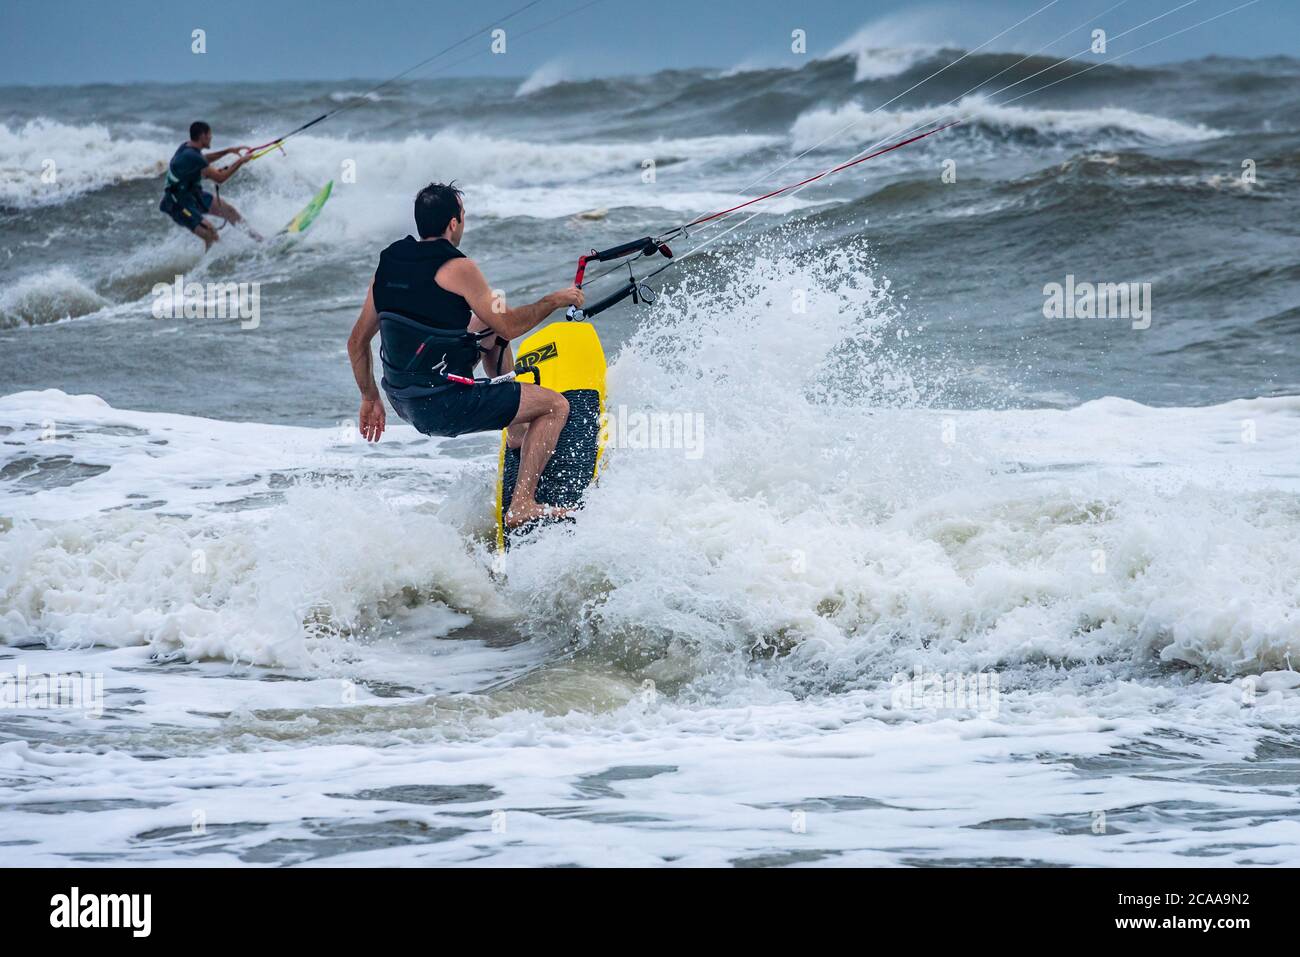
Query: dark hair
pixel 435 206
pixel 198 128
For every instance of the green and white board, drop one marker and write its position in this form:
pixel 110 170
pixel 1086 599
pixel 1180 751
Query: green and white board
pixel 304 219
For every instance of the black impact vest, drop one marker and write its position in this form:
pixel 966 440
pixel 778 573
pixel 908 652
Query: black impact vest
pixel 423 328
pixel 404 284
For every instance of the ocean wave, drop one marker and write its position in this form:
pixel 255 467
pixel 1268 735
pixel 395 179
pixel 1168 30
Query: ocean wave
pixel 551 179
pixel 349 96
pixel 1138 172
pixel 752 67
pixel 892 44
pixel 882 63
pixel 886 531
pixel 45 162
pixel 868 542
pixel 47 297
pixel 474 157
pixel 834 128
pixel 212 591
pixel 544 77
pixel 212 581
pixel 503 177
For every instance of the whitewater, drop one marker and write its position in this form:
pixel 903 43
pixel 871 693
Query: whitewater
pixel 950 583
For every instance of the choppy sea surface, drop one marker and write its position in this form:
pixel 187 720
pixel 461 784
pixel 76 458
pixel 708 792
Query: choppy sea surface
pixel 936 580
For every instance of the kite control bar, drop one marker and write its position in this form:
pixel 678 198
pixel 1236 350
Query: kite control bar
pixel 639 291
pixel 649 245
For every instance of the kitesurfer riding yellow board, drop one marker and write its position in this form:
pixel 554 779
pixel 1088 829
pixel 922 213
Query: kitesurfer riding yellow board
pixel 435 313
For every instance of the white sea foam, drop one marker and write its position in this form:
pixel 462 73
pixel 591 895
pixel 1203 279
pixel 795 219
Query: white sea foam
pixel 348 96
pixel 851 123
pixel 545 76
pixel 892 44
pixel 838 526
pixel 47 297
pixel 502 178
pixel 202 761
pixel 863 524
pixel 44 162
pixel 881 63
pixel 382 169
pixel 1127 570
pixel 174 549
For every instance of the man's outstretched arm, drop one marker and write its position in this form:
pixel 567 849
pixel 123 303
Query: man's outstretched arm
pixel 218 154
pixel 224 173
pixel 465 279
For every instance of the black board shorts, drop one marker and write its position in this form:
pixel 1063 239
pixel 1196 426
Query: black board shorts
pixel 454 409
pixel 187 214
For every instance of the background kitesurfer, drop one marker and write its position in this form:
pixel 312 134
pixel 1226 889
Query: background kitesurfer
pixel 184 198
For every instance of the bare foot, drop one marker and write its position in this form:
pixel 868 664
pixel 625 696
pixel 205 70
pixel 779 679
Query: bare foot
pixel 524 512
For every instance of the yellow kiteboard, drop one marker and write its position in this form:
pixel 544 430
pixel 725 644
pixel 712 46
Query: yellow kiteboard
pixel 568 358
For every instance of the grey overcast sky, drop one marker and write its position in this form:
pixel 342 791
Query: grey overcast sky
pixel 123 41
